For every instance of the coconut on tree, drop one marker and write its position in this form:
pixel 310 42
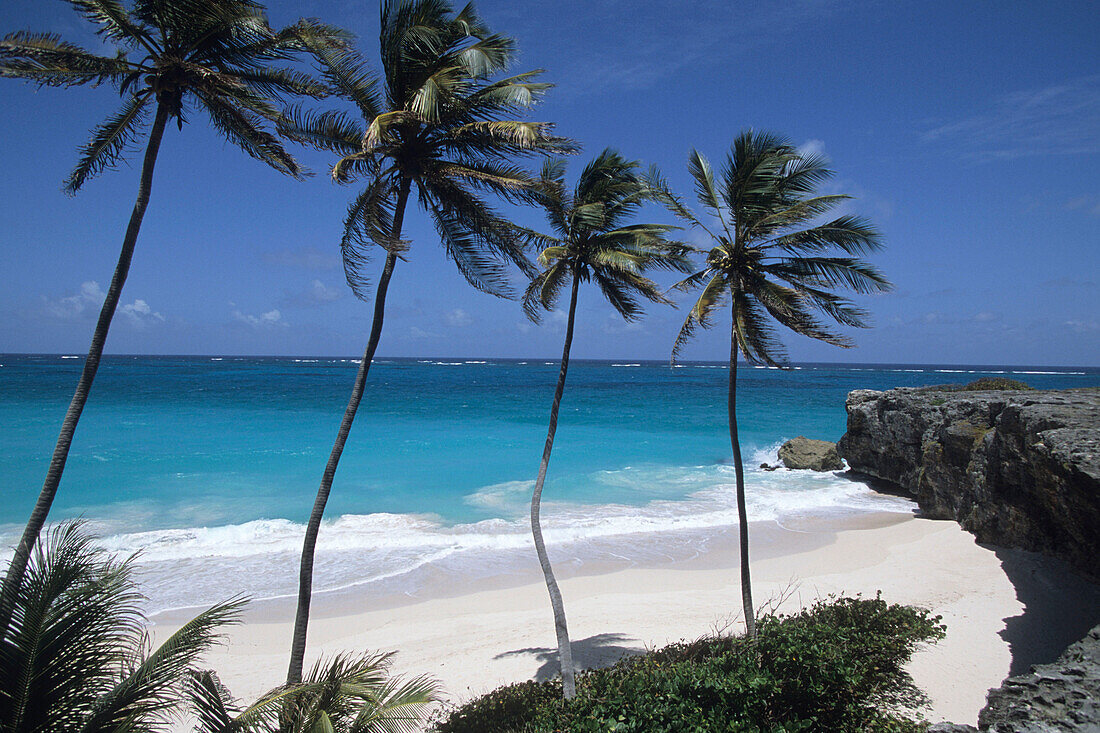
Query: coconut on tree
pixel 775 261
pixel 174 58
pixel 438 127
pixel 594 239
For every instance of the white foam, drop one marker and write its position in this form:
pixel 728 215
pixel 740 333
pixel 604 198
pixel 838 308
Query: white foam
pixel 1070 373
pixel 260 558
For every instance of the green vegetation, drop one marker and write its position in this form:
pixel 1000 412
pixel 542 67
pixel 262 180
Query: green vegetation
pixel 992 384
pixel 766 268
pixel 74 656
pixel 837 666
pixel 593 239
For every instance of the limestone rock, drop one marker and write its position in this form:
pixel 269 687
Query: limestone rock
pixel 816 455
pixel 1062 696
pixel 1015 468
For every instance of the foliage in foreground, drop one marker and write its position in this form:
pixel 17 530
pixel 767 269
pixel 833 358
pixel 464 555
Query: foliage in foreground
pixel 75 656
pixel 836 666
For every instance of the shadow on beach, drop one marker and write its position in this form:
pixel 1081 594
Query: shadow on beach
pixel 595 652
pixel 1060 606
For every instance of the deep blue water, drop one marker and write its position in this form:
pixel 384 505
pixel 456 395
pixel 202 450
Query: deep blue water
pixel 171 445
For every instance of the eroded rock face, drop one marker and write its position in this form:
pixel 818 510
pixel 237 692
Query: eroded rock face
pixel 815 455
pixel 1017 469
pixel 1063 696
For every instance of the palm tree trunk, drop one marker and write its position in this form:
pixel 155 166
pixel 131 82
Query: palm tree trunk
pixel 18 566
pixel 309 544
pixel 565 650
pixel 739 472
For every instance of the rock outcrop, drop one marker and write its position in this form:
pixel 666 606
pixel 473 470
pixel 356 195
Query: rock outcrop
pixel 1062 696
pixel 815 455
pixel 1015 468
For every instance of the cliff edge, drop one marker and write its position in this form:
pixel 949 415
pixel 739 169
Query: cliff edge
pixel 1015 468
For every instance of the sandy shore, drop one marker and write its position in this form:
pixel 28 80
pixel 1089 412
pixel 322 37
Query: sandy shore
pixel 1004 610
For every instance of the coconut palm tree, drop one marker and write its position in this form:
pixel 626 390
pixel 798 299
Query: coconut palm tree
pixel 212 56
pixel 766 267
pixel 74 654
pixel 436 122
pixel 594 239
pixel 352 694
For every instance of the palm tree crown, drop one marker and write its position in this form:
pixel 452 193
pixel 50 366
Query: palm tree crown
pixel 210 55
pixel 762 263
pixel 438 120
pixel 593 239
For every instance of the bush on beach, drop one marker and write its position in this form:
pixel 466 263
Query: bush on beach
pixel 835 666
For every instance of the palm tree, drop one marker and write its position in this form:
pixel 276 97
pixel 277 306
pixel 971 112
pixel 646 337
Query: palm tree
pixel 440 123
pixel 348 693
pixel 208 55
pixel 593 240
pixel 764 266
pixel 74 656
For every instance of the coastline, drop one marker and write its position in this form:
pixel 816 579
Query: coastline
pixel 987 598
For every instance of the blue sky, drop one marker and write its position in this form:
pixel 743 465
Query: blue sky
pixel 969 132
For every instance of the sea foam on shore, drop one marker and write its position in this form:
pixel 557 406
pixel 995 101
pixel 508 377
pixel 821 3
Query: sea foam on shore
pixel 394 554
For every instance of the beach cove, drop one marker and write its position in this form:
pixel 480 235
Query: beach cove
pixel 1004 609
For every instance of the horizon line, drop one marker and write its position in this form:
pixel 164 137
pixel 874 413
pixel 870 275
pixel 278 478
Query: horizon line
pixel 540 358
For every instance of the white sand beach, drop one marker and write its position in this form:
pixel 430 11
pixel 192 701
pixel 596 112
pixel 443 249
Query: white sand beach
pixel 1004 610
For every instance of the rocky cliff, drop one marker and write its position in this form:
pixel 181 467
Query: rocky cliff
pixel 1015 468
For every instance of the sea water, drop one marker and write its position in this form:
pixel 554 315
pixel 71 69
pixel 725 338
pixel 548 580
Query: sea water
pixel 209 465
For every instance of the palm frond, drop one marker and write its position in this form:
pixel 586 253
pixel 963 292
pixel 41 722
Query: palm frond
pixel 114 22
pixel 756 337
pixel 329 130
pixel 700 316
pixel 153 686
pixel 47 60
pixel 767 193
pixel 242 128
pixel 369 222
pixel 109 141
pixel 544 289
pixel 853 235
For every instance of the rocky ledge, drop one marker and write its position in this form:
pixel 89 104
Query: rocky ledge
pixel 1015 468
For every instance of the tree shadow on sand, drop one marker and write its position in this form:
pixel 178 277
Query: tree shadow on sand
pixel 595 652
pixel 1060 606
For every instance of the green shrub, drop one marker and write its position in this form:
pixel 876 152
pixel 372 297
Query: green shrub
pixel 836 666
pixel 996 383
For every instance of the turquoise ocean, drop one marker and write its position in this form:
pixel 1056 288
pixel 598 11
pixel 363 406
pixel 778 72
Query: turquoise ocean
pixel 208 465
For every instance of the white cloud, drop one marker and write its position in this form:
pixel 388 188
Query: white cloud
pixel 458 318
pixel 140 314
pixel 813 147
pixel 315 293
pixel 89 298
pixel 271 319
pixel 1061 119
pixel 86 303
pixel 419 333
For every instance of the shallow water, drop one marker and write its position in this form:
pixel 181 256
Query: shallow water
pixel 209 465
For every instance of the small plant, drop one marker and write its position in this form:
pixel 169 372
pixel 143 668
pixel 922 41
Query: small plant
pixel 835 666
